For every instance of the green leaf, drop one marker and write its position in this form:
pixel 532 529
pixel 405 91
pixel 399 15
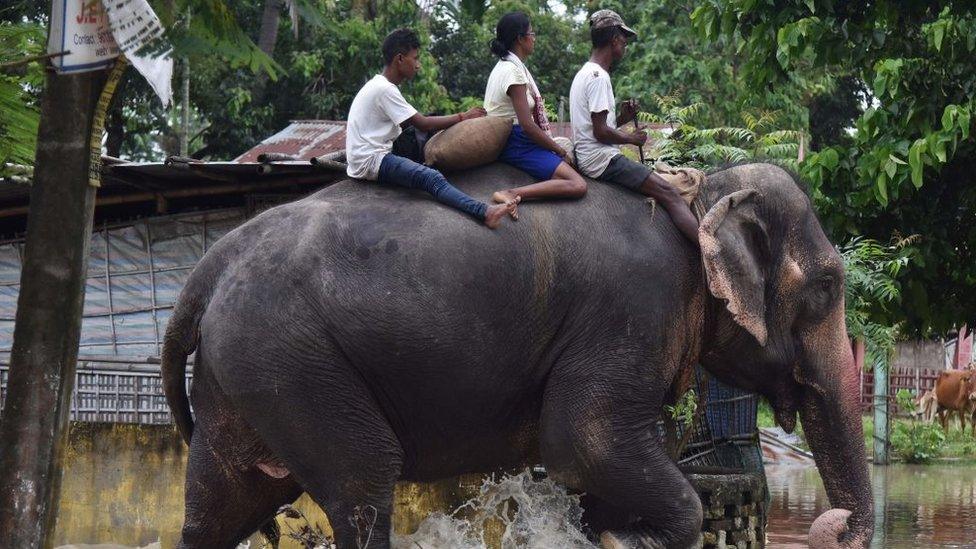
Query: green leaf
pixel 881 188
pixel 940 150
pixel 915 161
pixel 829 159
pixel 964 122
pixel 812 5
pixel 890 168
pixel 880 84
pixel 896 160
pixel 947 117
pixel 939 29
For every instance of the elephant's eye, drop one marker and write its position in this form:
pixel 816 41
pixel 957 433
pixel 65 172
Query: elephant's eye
pixel 825 283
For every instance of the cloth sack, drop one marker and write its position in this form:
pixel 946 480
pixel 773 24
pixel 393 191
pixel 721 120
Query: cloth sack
pixel 468 144
pixel 688 181
pixel 564 142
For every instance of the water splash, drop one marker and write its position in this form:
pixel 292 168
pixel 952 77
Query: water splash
pixel 534 515
pixel 531 514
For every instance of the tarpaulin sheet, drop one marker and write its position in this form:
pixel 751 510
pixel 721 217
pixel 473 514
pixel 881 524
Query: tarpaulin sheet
pixel 135 274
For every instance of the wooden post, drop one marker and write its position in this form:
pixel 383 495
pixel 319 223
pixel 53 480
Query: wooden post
pixel 48 323
pixel 880 415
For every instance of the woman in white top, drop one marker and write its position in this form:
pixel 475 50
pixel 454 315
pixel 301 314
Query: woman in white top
pixel 512 92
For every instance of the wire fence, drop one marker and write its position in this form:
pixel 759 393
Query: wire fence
pixel 916 380
pixel 114 392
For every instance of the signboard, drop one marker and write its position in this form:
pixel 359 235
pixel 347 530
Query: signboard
pixel 81 27
pixel 93 34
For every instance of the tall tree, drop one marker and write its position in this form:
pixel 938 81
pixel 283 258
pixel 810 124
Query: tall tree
pixel 48 323
pixel 52 289
pixel 907 166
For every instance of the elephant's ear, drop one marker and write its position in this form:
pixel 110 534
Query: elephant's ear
pixel 732 238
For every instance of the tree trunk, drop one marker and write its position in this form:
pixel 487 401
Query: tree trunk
pixel 267 38
pixel 48 323
pixel 365 9
pixel 270 19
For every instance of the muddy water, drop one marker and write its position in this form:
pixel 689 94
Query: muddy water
pixel 915 505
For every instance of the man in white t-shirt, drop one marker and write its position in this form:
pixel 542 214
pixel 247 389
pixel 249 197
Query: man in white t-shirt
pixel 596 128
pixel 376 117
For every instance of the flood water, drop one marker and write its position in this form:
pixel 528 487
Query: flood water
pixel 915 505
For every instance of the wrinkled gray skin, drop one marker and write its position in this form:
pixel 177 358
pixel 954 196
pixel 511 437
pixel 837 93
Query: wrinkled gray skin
pixel 365 335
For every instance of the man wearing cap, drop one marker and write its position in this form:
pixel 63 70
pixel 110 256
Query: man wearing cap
pixel 596 128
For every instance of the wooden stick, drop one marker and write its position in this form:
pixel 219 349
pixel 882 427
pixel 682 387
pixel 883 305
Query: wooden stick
pixel 640 148
pixel 26 60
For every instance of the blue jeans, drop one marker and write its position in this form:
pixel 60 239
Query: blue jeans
pixel 397 170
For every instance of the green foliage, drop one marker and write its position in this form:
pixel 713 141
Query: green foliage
pixel 872 293
pixel 669 58
pixel 319 80
pixel 915 442
pixel 19 87
pixel 907 165
pixel 680 142
pixel 199 29
pixel 683 411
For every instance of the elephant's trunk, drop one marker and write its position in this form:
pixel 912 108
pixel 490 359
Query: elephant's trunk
pixel 831 416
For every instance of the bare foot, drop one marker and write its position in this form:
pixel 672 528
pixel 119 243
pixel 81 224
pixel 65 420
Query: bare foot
pixel 494 215
pixel 495 212
pixel 503 197
pixel 508 198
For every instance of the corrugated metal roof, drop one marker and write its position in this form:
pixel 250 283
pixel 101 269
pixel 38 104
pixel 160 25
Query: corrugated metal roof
pixel 302 139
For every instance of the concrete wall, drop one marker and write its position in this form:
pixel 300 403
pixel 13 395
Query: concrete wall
pixel 123 484
pixel 919 355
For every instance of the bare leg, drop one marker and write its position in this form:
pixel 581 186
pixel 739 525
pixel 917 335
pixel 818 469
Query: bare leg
pixel 565 183
pixel 667 196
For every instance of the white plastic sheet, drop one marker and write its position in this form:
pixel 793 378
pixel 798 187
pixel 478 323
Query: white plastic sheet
pixel 134 25
pixel 95 33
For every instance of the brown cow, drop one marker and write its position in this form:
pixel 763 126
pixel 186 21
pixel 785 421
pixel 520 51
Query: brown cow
pixel 956 392
pixel 926 405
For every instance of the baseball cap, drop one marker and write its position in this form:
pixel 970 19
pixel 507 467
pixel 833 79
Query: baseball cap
pixel 608 18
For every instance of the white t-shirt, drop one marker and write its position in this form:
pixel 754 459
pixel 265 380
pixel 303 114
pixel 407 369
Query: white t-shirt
pixel 503 76
pixel 374 123
pixel 591 92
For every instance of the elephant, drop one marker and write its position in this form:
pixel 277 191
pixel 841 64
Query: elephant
pixel 364 335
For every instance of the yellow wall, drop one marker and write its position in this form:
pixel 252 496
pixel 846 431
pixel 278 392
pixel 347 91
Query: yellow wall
pixel 124 484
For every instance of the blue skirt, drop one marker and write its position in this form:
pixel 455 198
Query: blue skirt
pixel 523 153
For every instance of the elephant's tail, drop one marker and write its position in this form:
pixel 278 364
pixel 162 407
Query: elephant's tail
pixel 182 337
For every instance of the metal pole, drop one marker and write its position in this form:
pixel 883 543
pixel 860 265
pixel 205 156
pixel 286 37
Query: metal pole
pixel 880 414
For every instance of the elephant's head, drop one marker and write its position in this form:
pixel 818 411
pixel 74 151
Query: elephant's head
pixel 777 324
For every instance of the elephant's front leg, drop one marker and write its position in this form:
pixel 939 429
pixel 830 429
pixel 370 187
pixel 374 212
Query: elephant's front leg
pixel 599 436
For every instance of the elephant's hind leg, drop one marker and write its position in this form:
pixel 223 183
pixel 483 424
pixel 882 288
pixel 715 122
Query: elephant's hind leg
pixel 338 445
pixel 225 505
